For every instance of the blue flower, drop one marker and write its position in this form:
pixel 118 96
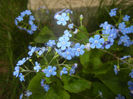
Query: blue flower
pixel 76 31
pixel 67 54
pixel 116 69
pixel 96 42
pixel 37 67
pixel 122 25
pixel 72 70
pixel 50 71
pixel 119 96
pixel 70 26
pixel 26 12
pixel 21 77
pixel 125 40
pixel 124 57
pixel 31 23
pixel 19 18
pixel 16 71
pixel 41 51
pixel 32 50
pixel 51 43
pixel 105 25
pixel 33 27
pixel 28 93
pixel 46 87
pixel 62 19
pixel 79 49
pixel 130 84
pixel 21 62
pixel 42 82
pixel 63 71
pixel 32 17
pixel 107 44
pixel 21 96
pixel 67 33
pixel 113 12
pixel 126 18
pixel 63 42
pixel 131 74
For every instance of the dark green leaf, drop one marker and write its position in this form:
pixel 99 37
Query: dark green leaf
pixel 44 35
pixel 75 84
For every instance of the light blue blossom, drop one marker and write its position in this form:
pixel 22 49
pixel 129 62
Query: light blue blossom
pixel 41 51
pixel 21 62
pixel 122 25
pixel 113 12
pixel 125 40
pixel 72 70
pixel 32 18
pixel 63 71
pixel 116 69
pixel 33 27
pixel 62 19
pixel 28 93
pixel 26 12
pixel 16 71
pixel 50 71
pixel 46 87
pixel 131 74
pixel 70 26
pixel 21 96
pixel 107 44
pixel 21 77
pixel 32 50
pixel 42 82
pixel 51 43
pixel 30 31
pixel 130 87
pixel 96 42
pixel 37 67
pixel 75 31
pixel 79 49
pixel 19 18
pixel 67 33
pixel 125 57
pixel 126 18
pixel 67 54
pixel 105 25
pixel 119 96
pixel 63 42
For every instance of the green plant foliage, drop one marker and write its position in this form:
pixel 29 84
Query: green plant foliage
pixel 57 93
pixel 44 35
pixel 82 35
pixel 35 87
pixel 56 90
pixel 75 84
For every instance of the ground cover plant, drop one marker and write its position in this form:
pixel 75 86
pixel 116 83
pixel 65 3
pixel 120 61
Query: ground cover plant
pixel 78 64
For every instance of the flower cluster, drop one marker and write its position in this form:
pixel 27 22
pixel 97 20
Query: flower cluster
pixel 27 94
pixel 45 86
pixel 23 26
pixel 67 48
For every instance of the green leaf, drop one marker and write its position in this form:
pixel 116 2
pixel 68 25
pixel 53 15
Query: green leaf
pixel 85 58
pixel 55 93
pixel 116 83
pixel 44 35
pixel 82 35
pixel 75 84
pixel 91 62
pixel 35 87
